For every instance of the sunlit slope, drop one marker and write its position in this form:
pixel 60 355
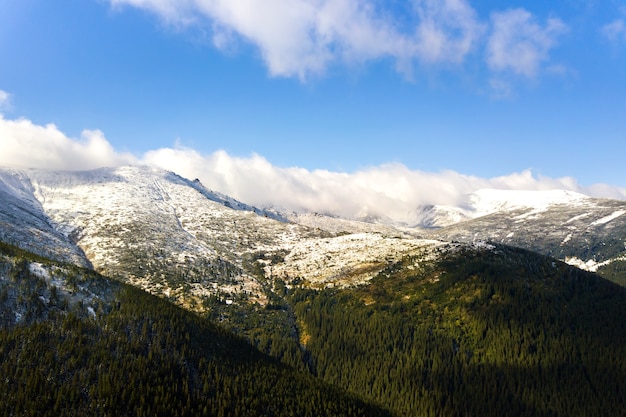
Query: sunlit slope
pixel 586 232
pixel 175 238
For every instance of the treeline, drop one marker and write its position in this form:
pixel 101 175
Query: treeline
pixel 501 332
pixel 147 357
pixel 477 334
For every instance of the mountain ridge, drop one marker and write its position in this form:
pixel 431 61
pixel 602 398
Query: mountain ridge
pixel 584 231
pixel 173 237
pixel 420 323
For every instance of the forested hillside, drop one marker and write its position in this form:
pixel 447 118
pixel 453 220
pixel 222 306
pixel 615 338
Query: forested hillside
pixel 481 333
pixel 135 355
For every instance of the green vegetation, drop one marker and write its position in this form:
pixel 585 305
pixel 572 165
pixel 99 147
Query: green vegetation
pixel 615 271
pixel 147 357
pixel 479 333
pixel 501 332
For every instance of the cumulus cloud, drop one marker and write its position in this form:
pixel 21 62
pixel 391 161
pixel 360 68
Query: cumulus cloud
pixel 302 38
pixel 518 43
pixel 24 144
pixel 390 190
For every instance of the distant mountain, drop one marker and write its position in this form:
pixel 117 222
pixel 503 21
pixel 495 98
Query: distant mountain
pixel 488 201
pixel 587 232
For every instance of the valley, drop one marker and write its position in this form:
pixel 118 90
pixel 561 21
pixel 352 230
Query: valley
pixel 479 309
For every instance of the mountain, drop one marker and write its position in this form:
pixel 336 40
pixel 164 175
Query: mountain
pixel 338 317
pixel 587 232
pixel 175 238
pixel 73 342
pixel 486 330
pixel 23 221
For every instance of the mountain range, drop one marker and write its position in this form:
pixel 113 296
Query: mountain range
pixel 339 299
pixel 87 217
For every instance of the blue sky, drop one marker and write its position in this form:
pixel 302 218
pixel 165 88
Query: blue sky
pixel 485 89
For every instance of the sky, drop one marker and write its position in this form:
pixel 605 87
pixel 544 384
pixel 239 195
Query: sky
pixel 317 103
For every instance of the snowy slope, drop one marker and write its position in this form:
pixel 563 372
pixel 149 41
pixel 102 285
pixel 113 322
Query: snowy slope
pixel 346 260
pixel 586 232
pixel 158 230
pixel 488 201
pixel 173 237
pixel 24 223
pixel 231 202
pixel 339 225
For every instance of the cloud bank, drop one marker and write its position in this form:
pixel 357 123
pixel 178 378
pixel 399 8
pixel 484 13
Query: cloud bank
pixel 302 38
pixel 24 144
pixel 390 190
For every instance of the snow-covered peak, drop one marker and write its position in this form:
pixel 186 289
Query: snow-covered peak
pixel 488 201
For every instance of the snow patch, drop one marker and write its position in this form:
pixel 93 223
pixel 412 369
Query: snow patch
pixel 591 265
pixel 488 201
pixel 567 239
pixel 580 216
pixel 38 270
pixel 608 218
pixel 479 244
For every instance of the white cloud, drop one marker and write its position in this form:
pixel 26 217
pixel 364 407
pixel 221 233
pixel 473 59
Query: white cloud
pixel 615 31
pixel 389 190
pixel 24 144
pixel 5 100
pixel 300 38
pixel 519 44
pixel 448 30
